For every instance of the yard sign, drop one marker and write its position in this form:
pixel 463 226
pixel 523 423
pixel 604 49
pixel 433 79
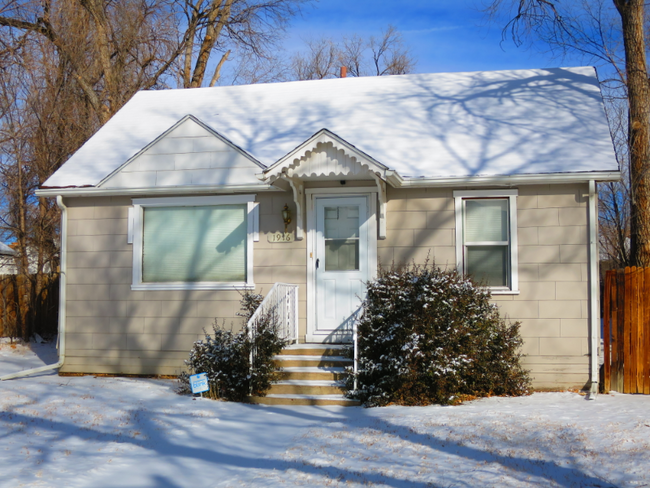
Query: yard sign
pixel 199 383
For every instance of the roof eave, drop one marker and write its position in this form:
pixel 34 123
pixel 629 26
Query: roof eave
pixel 392 177
pixel 170 190
pixel 504 180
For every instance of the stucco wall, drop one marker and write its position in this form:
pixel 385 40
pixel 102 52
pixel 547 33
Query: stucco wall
pixel 114 329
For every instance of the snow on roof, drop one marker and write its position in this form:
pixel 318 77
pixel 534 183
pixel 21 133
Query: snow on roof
pixel 424 125
pixel 5 250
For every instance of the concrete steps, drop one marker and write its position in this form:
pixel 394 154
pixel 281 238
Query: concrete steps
pixel 311 375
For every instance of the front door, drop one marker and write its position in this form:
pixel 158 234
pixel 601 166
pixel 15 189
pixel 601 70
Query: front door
pixel 341 264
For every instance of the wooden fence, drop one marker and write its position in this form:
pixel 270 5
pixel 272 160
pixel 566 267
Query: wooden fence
pixel 626 330
pixel 15 306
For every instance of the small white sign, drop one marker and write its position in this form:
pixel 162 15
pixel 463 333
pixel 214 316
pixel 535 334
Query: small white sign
pixel 199 383
pixel 280 237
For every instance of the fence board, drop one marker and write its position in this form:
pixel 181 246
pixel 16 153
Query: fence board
pixel 646 333
pixel 637 321
pixel 607 331
pixel 618 330
pixel 627 329
pixel 618 339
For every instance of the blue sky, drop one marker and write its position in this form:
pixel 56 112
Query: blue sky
pixel 443 35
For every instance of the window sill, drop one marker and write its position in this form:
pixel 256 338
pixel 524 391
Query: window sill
pixel 193 286
pixel 503 292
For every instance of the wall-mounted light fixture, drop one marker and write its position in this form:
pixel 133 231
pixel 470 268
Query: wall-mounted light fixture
pixel 286 216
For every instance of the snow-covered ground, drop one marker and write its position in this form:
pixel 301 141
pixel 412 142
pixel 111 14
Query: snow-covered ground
pixel 122 432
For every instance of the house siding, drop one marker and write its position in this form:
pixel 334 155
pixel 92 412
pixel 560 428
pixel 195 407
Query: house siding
pixel 112 329
pixel 553 279
pixel 188 154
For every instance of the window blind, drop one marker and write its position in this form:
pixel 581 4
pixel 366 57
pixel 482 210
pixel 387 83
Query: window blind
pixel 486 220
pixel 194 244
pixel 488 264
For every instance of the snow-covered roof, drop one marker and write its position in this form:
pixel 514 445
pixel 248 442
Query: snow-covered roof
pixel 442 125
pixel 6 250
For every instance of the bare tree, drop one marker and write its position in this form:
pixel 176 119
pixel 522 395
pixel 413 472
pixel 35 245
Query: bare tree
pixel 112 49
pixel 321 60
pixel 42 124
pixel 117 48
pixel 248 27
pixel 66 66
pixel 353 55
pixel 614 197
pixel 377 56
pixel 251 69
pixel 389 55
pixel 596 28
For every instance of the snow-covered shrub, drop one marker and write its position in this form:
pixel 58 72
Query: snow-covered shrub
pixel 225 357
pixel 432 336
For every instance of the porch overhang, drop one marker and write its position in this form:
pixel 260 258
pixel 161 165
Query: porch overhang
pixel 326 156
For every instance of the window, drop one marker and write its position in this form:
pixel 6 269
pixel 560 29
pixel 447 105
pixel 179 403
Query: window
pixel 486 237
pixel 341 238
pixel 193 243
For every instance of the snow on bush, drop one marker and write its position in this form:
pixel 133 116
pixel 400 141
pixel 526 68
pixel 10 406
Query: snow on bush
pixel 225 356
pixel 432 336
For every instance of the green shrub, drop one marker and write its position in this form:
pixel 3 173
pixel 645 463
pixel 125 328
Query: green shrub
pixel 225 357
pixel 429 336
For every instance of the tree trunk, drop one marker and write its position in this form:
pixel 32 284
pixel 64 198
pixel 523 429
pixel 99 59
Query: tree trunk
pixel 632 14
pixel 216 19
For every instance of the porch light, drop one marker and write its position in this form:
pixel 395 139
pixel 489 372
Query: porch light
pixel 286 216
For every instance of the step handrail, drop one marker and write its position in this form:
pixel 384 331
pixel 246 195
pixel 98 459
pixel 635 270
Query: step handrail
pixel 355 355
pixel 282 302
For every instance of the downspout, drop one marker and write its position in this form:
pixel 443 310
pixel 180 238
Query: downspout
pixel 62 300
pixel 594 322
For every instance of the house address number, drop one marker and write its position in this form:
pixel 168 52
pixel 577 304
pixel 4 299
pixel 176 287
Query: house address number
pixel 280 237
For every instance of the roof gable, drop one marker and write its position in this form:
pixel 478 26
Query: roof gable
pixel 187 154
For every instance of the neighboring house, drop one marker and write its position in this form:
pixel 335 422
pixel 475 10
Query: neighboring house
pixel 9 256
pixel 6 250
pixel 176 203
pixel 7 260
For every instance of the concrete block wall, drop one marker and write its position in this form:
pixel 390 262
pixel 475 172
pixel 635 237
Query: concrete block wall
pixel 553 269
pixel 113 329
pixel 420 223
pixel 553 275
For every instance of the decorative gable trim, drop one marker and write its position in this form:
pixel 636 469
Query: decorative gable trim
pixel 301 161
pixel 325 155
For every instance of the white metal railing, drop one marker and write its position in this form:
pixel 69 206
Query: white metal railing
pixel 355 345
pixel 281 304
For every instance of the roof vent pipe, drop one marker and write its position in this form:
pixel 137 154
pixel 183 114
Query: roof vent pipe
pixel 344 71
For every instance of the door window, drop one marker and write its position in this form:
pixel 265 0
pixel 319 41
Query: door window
pixel 342 238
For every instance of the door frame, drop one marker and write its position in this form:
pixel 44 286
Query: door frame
pixel 311 195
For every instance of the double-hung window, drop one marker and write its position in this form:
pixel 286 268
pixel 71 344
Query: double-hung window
pixel 486 237
pixel 193 243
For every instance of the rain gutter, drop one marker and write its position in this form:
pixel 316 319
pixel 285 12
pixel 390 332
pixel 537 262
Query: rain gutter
pixel 398 181
pixel 594 322
pixel 93 191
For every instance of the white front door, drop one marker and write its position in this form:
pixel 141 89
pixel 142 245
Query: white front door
pixel 341 264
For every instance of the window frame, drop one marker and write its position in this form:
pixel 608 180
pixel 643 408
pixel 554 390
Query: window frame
pixel 462 196
pixel 136 226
